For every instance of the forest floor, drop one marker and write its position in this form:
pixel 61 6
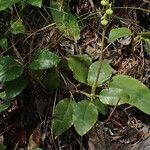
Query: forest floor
pixel 124 127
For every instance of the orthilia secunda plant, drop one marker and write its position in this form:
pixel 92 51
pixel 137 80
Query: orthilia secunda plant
pixel 107 11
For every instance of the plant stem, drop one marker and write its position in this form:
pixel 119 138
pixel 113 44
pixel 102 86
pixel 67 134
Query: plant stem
pixel 84 93
pixel 93 90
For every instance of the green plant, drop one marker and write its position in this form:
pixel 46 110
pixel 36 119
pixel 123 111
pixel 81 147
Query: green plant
pixel 2 147
pixel 107 11
pixel 121 88
pixel 145 36
pixel 82 114
pixel 65 21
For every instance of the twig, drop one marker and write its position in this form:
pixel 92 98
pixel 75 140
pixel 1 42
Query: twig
pixel 113 111
pixel 16 52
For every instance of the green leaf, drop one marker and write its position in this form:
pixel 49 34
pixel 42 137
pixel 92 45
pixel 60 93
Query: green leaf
pixel 147 45
pixel 17 26
pixel 65 21
pixel 4 106
pixel 139 94
pixel 145 35
pixel 102 108
pixel 22 4
pixel 84 117
pixel 112 96
pixel 4 4
pixel 2 95
pixel 10 69
pixel 4 44
pixel 15 87
pixel 119 33
pixel 35 2
pixel 79 64
pixel 63 116
pixel 50 79
pixel 37 148
pixel 44 59
pixel 105 74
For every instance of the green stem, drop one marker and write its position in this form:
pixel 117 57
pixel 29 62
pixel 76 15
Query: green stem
pixel 84 93
pixel 93 89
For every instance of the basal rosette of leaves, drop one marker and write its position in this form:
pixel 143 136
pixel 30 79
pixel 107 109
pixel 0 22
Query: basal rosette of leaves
pixel 43 65
pixel 82 115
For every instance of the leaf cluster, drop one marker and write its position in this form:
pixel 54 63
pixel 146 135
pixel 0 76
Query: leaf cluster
pixel 44 66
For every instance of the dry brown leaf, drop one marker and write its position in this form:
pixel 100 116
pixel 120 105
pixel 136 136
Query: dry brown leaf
pixel 34 139
pixel 2 139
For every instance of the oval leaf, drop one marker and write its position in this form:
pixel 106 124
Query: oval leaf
pixel 111 96
pixel 17 26
pixel 43 60
pixel 4 106
pixel 4 4
pixel 15 87
pixel 10 69
pixel 105 74
pixel 119 33
pixel 102 108
pixel 50 79
pixel 139 94
pixel 2 95
pixel 84 117
pixel 79 64
pixel 4 44
pixel 63 116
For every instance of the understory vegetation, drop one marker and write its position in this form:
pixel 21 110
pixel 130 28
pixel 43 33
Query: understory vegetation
pixel 74 74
